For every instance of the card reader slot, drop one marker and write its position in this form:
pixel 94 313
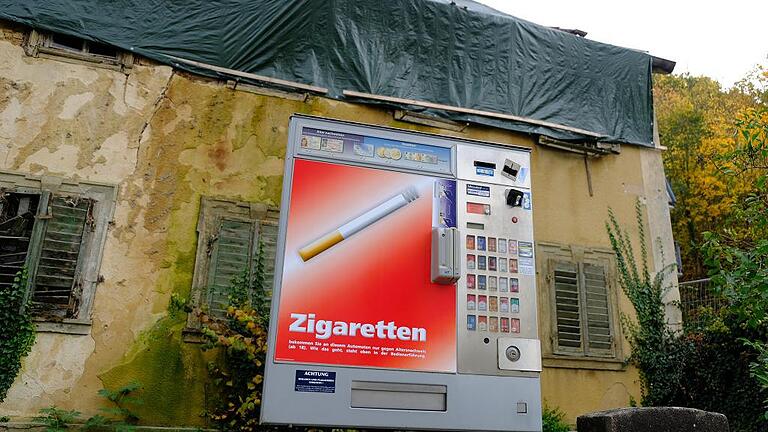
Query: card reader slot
pixel 399 396
pixel 481 164
pixel 475 225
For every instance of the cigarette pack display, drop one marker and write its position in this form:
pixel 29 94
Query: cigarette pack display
pixel 482 323
pixel 493 304
pixel 492 283
pixel 481 282
pixel 513 266
pixel 504 304
pixel 470 242
pixel 482 303
pixel 470 262
pixel 491 244
pixel 492 264
pixel 502 246
pixel 503 265
pixel 480 243
pixel 471 299
pixel 470 281
pixel 514 285
pixel 514 306
pixel 512 246
pixel 481 262
pixel 514 325
pixel 471 322
pixel 503 284
pixel 505 325
pixel 493 324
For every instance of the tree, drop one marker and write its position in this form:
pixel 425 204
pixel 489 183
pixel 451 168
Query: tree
pixel 697 123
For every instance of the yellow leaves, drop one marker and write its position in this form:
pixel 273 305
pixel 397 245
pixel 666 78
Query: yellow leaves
pixel 698 123
pixel 240 375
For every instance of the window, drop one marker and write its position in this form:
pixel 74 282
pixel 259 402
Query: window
pixel 582 298
pixel 230 234
pixel 75 49
pixel 56 230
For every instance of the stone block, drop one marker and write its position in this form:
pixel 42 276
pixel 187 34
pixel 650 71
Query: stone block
pixel 656 419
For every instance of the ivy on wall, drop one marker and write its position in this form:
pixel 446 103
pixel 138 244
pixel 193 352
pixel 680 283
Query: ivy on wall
pixel 17 331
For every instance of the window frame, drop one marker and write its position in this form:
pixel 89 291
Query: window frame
pixel 212 211
pixel 548 254
pixel 91 251
pixel 40 44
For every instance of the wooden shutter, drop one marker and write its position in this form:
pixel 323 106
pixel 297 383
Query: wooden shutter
pixel 232 253
pixel 268 241
pixel 568 310
pixel 56 287
pixel 598 320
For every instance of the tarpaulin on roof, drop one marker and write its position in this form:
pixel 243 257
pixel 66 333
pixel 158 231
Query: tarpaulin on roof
pixel 457 53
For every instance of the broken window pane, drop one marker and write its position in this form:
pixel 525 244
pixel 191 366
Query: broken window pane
pixel 17 217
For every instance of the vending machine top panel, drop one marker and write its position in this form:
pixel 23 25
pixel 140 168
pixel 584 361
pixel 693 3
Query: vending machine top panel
pixel 344 142
pixel 497 165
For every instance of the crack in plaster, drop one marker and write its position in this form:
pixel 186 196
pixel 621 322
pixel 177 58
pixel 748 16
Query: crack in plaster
pixel 156 107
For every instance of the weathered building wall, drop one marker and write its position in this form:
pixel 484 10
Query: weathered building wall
pixel 166 139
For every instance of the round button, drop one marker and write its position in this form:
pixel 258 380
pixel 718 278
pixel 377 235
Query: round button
pixel 513 353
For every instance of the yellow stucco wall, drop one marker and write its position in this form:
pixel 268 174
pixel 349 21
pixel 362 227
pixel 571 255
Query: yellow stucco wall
pixel 166 139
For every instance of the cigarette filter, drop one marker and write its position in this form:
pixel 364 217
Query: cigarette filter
pixel 358 224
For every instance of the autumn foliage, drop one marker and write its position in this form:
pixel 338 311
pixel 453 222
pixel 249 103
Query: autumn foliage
pixel 700 122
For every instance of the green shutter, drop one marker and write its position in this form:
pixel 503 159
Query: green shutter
pixel 231 255
pixel 268 240
pixel 567 305
pixel 55 288
pixel 597 311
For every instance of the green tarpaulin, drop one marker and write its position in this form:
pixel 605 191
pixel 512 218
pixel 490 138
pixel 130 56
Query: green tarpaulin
pixel 457 53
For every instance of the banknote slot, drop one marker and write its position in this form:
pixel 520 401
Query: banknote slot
pixel 481 164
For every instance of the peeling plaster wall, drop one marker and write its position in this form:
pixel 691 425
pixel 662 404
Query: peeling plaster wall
pixel 165 139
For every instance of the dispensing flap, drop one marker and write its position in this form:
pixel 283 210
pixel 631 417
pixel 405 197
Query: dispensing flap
pixel 445 255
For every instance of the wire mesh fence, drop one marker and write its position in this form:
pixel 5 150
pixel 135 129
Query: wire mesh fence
pixel 698 300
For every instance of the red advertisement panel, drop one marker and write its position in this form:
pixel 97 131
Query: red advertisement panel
pixel 356 286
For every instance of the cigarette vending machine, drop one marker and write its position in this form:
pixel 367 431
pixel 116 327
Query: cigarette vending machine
pixel 405 289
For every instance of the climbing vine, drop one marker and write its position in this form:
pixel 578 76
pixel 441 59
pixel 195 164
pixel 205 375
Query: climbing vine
pixel 17 331
pixel 656 350
pixel 242 340
pixel 706 367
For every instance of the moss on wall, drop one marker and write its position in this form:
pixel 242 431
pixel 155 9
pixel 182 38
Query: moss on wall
pixel 171 374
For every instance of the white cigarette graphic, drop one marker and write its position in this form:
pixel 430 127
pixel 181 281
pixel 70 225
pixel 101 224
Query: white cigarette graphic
pixel 358 224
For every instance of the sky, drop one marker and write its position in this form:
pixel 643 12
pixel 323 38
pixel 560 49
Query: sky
pixel 720 39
